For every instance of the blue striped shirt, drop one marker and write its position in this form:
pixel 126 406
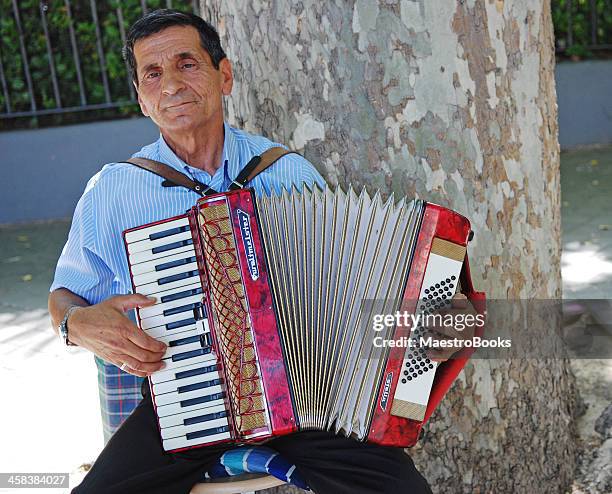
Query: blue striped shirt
pixel 93 263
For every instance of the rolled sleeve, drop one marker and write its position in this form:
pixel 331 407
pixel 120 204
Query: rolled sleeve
pixel 79 268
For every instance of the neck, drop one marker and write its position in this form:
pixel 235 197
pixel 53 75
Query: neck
pixel 202 149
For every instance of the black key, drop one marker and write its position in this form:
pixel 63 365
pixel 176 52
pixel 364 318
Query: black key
pixel 173 245
pixel 204 418
pixel 199 312
pixel 180 324
pixel 173 264
pixel 182 308
pixel 176 277
pixel 195 372
pixel 167 233
pixel 185 341
pixel 201 399
pixel 208 432
pixel 179 295
pixel 202 385
pixel 193 353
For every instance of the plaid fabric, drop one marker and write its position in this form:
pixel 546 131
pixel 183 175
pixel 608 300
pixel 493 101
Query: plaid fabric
pixel 119 394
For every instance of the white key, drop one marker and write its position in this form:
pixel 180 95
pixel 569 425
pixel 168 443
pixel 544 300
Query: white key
pixel 175 396
pixel 161 320
pixel 160 308
pixel 173 320
pixel 183 442
pixel 215 394
pixel 175 364
pixel 179 418
pixel 149 245
pixel 171 386
pixel 156 276
pixel 143 233
pixel 149 266
pixel 160 332
pixel 170 375
pixel 174 350
pixel 199 327
pixel 182 430
pixel 193 331
pixel 147 255
pixel 155 288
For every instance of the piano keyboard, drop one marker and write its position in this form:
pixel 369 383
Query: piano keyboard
pixel 187 393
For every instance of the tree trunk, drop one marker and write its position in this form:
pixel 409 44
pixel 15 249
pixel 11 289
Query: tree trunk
pixel 453 101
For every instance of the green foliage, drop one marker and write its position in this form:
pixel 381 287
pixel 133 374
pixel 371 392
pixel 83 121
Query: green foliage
pixel 58 22
pixel 573 19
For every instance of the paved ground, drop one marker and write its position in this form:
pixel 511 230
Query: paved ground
pixel 586 185
pixel 53 423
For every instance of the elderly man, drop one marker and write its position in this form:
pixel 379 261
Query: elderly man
pixel 181 75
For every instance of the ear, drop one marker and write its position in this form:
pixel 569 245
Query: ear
pixel 227 76
pixel 143 107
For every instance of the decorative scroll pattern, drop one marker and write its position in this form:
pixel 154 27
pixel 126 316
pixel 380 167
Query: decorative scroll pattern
pixel 234 333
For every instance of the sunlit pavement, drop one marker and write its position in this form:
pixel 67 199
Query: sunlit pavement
pixel 49 415
pixel 586 198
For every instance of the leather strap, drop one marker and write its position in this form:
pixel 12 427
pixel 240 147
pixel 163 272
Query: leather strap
pixel 257 165
pixel 173 177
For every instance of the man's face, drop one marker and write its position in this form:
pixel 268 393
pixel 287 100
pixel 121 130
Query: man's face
pixel 178 86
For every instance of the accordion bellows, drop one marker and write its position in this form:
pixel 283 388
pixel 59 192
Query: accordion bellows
pixel 332 256
pixel 279 320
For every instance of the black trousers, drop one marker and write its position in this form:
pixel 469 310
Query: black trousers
pixel 134 462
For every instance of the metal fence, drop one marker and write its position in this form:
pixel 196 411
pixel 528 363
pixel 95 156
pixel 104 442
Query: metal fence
pixel 54 32
pixel 582 26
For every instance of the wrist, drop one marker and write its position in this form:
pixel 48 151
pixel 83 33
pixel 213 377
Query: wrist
pixel 66 332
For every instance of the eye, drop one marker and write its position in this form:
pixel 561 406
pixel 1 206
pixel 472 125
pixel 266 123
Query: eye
pixel 188 65
pixel 152 75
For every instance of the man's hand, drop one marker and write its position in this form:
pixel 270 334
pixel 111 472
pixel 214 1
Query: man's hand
pixel 105 330
pixel 459 305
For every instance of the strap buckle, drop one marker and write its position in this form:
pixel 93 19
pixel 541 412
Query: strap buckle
pixel 237 184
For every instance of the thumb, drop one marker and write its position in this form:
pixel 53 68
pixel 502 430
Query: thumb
pixel 129 302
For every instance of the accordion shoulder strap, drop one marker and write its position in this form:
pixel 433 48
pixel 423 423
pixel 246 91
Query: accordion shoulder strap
pixel 173 177
pixel 257 165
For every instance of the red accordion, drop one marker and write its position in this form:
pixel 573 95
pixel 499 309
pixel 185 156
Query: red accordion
pixel 266 305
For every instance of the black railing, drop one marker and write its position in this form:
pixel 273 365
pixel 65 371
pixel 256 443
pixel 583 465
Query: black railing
pixel 63 56
pixel 582 26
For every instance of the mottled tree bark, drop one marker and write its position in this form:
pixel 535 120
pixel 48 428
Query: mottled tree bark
pixel 453 101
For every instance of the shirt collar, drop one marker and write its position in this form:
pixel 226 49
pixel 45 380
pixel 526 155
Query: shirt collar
pixel 230 160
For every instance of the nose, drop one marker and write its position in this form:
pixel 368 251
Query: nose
pixel 172 83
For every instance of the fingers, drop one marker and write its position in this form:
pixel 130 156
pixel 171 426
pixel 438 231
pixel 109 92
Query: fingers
pixel 139 353
pixel 143 340
pixel 129 302
pixel 459 301
pixel 135 366
pixel 439 354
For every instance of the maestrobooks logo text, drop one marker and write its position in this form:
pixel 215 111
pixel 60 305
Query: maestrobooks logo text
pixel 247 240
pixel 386 390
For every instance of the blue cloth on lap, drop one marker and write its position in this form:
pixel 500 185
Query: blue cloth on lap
pixel 257 459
